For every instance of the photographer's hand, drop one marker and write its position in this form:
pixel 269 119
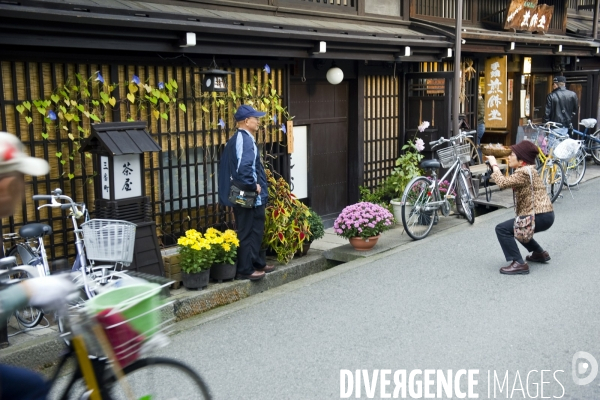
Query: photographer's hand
pixel 258 188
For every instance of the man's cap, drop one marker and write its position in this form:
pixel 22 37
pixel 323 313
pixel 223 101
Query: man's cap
pixel 13 159
pixel 559 79
pixel 525 151
pixel 246 111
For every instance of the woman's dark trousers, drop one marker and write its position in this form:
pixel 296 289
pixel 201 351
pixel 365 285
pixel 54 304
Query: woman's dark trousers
pixel 506 236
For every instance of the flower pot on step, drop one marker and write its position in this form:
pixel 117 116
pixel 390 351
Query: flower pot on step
pixel 222 272
pixel 361 244
pixel 195 281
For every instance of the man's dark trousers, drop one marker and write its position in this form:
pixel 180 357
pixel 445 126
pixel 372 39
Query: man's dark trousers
pixel 250 224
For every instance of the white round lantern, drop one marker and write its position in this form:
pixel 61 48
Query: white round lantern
pixel 335 75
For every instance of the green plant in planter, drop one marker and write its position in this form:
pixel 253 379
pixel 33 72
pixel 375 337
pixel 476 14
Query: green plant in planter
pixel 286 220
pixel 407 165
pixel 196 252
pixel 317 230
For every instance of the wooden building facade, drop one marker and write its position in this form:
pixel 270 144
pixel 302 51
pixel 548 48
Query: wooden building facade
pixel 397 73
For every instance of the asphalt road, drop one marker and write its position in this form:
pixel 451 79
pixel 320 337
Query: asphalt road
pixel 437 304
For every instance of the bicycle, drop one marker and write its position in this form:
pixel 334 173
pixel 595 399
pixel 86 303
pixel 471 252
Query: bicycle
pixel 550 169
pixel 10 274
pixel 575 164
pixel 122 325
pixel 422 198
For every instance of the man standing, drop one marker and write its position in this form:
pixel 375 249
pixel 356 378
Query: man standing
pixel 561 105
pixel 241 166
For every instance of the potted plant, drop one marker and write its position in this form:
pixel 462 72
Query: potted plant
pixel 197 256
pixel 362 223
pixel 407 168
pixel 225 245
pixel 316 231
pixel 286 222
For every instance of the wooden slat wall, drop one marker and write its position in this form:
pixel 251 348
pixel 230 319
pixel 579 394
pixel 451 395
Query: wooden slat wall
pixel 20 81
pixel 382 135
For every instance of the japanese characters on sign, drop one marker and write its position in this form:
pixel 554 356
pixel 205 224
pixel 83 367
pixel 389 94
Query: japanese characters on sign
pixel 527 15
pixel 495 92
pixel 128 176
pixel 105 177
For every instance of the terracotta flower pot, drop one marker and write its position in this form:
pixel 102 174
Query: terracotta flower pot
pixel 195 281
pixel 361 244
pixel 222 272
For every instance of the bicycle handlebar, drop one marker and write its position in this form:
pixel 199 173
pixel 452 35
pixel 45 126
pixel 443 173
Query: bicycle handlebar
pixel 461 135
pixel 57 195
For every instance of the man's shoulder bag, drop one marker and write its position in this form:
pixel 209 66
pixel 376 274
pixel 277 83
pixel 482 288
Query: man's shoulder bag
pixel 242 198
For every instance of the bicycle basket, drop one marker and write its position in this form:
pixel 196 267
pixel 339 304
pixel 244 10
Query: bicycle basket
pixel 109 240
pixel 448 155
pixel 130 316
pixel 567 149
pixel 554 141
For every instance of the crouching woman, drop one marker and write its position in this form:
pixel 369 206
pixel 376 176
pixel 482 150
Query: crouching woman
pixel 530 197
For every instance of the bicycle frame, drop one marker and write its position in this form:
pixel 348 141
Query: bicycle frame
pixel 455 169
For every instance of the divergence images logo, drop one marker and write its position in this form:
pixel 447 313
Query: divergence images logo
pixel 581 364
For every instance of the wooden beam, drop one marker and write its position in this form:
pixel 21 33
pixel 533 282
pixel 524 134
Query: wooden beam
pixel 457 52
pixel 596 12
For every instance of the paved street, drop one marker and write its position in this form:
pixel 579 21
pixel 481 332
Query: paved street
pixel 436 304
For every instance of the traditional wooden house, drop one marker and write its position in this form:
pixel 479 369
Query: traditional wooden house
pixel 395 56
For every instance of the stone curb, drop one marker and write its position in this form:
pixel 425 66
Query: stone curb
pixel 43 352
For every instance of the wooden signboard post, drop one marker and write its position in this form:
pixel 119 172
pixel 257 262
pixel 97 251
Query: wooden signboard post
pixel 527 15
pixel 495 92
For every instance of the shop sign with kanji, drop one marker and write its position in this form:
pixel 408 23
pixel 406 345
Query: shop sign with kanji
pixel 127 176
pixel 495 92
pixel 527 15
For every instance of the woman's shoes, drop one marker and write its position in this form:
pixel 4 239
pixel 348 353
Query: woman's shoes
pixel 538 257
pixel 515 269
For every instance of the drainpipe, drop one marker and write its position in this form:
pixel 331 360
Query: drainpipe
pixel 457 45
pixel 595 29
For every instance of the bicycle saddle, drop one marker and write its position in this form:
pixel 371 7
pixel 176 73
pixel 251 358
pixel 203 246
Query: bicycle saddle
pixel 430 164
pixel 588 122
pixel 34 230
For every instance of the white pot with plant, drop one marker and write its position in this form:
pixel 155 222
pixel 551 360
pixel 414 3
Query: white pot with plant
pixel 407 167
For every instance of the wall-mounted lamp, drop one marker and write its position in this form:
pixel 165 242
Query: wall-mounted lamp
pixel 320 48
pixel 407 51
pixel 526 65
pixel 463 41
pixel 448 52
pixel 557 49
pixel 510 47
pixel 213 78
pixel 188 40
pixel 335 75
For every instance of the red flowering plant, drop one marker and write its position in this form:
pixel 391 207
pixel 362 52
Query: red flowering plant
pixel 287 225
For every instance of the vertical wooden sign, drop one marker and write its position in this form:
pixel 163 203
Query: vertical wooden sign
pixel 495 92
pixel 290 136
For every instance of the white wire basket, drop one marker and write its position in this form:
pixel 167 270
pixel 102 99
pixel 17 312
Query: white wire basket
pixel 567 149
pixel 448 155
pixel 109 240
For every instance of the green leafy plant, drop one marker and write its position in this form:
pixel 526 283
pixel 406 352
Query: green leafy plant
pixel 407 165
pixel 286 220
pixel 196 252
pixel 315 223
pixel 71 107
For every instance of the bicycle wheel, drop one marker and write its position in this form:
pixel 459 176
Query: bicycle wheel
pixel 28 316
pixel 417 216
pixel 595 147
pixel 575 168
pixel 465 198
pixel 475 158
pixel 147 377
pixel 553 176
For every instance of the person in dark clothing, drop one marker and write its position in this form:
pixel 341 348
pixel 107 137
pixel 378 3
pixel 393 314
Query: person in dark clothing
pixel 561 105
pixel 241 165
pixel 522 160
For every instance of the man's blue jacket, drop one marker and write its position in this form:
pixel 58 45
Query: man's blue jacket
pixel 240 164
